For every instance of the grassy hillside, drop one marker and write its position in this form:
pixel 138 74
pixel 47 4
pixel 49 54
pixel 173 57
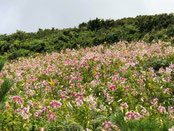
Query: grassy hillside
pixel 92 33
pixel 127 87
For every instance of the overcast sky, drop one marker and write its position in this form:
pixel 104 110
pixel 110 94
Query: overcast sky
pixel 30 15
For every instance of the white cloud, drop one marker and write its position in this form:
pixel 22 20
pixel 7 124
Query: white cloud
pixel 159 6
pixel 29 15
pixel 10 15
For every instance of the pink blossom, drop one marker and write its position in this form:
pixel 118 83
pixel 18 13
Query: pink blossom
pixel 80 78
pixel 161 109
pixel 79 102
pixel 55 104
pixel 38 113
pixel 102 107
pixel 94 83
pixel 126 88
pixel 17 99
pixel 112 88
pixel 154 102
pixel 51 116
pixel 166 91
pixel 171 110
pixel 7 106
pixel 144 112
pixel 161 70
pixel 125 105
pixel 24 112
pixel 132 115
pixel 107 125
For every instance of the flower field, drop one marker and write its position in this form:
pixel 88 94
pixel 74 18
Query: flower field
pixel 107 87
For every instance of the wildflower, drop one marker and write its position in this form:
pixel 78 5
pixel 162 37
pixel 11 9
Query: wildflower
pixel 79 102
pixel 125 105
pixel 154 102
pixel 112 88
pixel 171 110
pixel 161 70
pixel 68 116
pixel 105 42
pixel 161 109
pixel 17 99
pixel 94 83
pixel 51 83
pixel 24 112
pixel 132 115
pixel 91 101
pixel 38 113
pixel 7 106
pixel 151 86
pixel 55 104
pixel 107 125
pixel 20 58
pixel 166 91
pixel 144 112
pixel 126 88
pixel 102 107
pixel 51 116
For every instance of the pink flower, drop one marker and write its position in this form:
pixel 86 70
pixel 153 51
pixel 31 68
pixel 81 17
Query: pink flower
pixel 38 113
pixel 94 83
pixel 171 110
pixel 161 70
pixel 51 116
pixel 55 104
pixel 7 106
pixel 132 115
pixel 102 107
pixel 80 78
pixel 105 93
pixel 17 99
pixel 24 112
pixel 144 112
pixel 126 88
pixel 154 102
pixel 112 88
pixel 110 99
pixel 161 109
pixel 137 115
pixel 107 125
pixel 79 102
pixel 166 91
pixel 124 105
pixel 92 103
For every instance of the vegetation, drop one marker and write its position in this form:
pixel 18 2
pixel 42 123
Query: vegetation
pixel 124 86
pixel 5 85
pixel 92 33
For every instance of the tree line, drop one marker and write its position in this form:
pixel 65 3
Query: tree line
pixel 94 32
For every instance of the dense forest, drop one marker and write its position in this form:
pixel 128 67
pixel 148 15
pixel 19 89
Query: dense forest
pixel 148 28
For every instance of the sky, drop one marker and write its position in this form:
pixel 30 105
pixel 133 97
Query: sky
pixel 30 15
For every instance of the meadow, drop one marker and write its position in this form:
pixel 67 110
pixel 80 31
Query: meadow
pixel 124 86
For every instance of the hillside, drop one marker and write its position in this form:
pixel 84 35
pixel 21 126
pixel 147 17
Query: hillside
pixel 125 86
pixel 92 33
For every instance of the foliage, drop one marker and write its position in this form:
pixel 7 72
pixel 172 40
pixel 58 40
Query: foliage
pixel 6 85
pixel 123 86
pixel 92 33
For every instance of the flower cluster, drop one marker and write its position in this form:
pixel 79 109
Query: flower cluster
pixel 55 104
pixel 132 115
pixel 91 83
